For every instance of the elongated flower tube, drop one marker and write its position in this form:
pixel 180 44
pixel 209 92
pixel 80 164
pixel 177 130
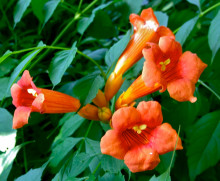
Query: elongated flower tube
pixel 136 90
pixel 146 29
pixel 138 136
pixel 165 68
pixel 28 98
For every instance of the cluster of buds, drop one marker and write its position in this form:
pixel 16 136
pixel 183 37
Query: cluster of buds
pixel 137 135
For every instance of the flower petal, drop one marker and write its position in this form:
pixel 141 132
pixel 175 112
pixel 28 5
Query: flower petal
pixel 125 118
pixel 164 31
pixel 25 81
pixel 37 105
pixel 141 158
pixel 191 66
pixel 151 73
pixel 113 144
pixel 16 91
pixel 136 21
pixel 148 15
pixel 164 139
pixel 21 116
pixel 182 90
pixel 151 113
pixel 171 48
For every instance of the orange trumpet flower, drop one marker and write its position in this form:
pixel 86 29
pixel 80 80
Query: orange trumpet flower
pixel 165 68
pixel 138 136
pixel 146 29
pixel 28 98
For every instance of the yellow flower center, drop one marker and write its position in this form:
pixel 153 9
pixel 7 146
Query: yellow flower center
pixel 164 64
pixel 140 128
pixel 32 91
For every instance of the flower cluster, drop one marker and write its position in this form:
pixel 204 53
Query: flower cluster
pixel 137 136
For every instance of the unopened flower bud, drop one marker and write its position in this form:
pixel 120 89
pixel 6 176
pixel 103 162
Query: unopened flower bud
pixel 89 112
pixel 104 114
pixel 100 99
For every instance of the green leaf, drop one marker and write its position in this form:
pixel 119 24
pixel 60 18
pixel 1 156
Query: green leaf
pixel 70 124
pixel 162 18
pixel 102 26
pixel 111 176
pixel 87 87
pixel 37 6
pixel 20 8
pixel 26 60
pixel 3 86
pixel 163 177
pixel 203 148
pixel 195 2
pixel 185 30
pixel 33 174
pixel 49 9
pixel 7 66
pixel 60 63
pixel 6 55
pixel 214 35
pixel 111 164
pixel 81 162
pixel 7 134
pixel 164 162
pixel 93 147
pixel 97 54
pixel 135 6
pixel 116 50
pixel 62 149
pixel 6 161
pixel 84 23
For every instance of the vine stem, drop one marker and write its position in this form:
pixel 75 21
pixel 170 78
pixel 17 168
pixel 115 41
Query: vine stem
pixel 209 9
pixel 87 132
pixel 93 61
pixel 76 17
pixel 209 88
pixel 201 14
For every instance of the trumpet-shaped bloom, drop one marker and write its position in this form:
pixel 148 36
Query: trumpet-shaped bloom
pixel 138 136
pixel 166 66
pixel 146 29
pixel 28 98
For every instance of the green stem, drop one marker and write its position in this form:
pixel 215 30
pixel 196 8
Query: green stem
pixel 80 4
pixel 209 9
pixel 76 17
pixel 201 14
pixel 93 61
pixel 36 48
pixel 24 152
pixel 96 168
pixel 87 132
pixel 174 149
pixel 209 88
pixel 89 6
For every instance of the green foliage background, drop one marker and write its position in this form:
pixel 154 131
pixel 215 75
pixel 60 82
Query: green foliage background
pixel 71 46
